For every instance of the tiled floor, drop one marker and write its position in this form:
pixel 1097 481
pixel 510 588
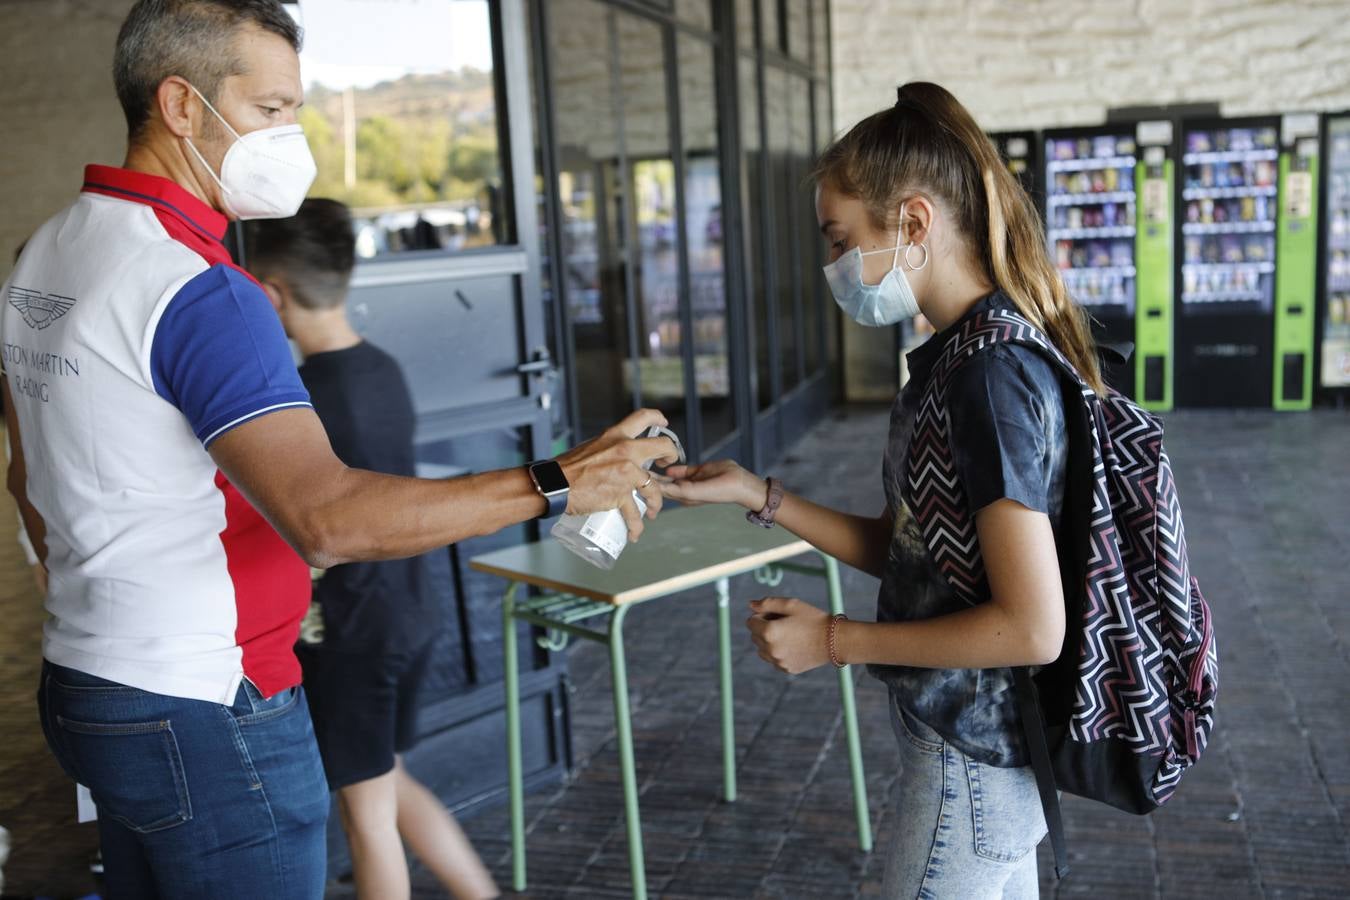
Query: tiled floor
pixel 1266 814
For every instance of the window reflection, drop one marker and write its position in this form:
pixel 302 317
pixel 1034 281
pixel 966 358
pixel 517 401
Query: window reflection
pixel 592 269
pixel 411 144
pixel 704 237
pixel 820 37
pixel 752 186
pixel 650 245
pixel 768 26
pixel 781 108
pixel 799 29
pixel 745 24
pixel 695 12
pixel 810 279
pixel 469 650
pixel 660 365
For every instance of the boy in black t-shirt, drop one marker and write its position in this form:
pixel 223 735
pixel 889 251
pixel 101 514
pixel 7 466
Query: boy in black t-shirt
pixel 378 617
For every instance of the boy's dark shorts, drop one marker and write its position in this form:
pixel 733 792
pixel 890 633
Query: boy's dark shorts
pixel 364 707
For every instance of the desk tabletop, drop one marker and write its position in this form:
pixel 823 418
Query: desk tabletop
pixel 682 549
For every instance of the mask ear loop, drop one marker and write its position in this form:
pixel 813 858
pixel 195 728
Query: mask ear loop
pixel 193 147
pixel 214 111
pixel 899 240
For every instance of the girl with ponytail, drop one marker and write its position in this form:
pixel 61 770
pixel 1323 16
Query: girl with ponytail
pixel 921 216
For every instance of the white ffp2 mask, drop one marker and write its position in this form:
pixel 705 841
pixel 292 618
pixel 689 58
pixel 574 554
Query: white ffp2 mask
pixel 265 173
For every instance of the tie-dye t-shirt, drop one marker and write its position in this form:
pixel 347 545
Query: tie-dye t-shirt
pixel 1009 440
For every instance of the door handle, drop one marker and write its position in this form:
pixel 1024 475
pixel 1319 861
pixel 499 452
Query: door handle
pixel 540 365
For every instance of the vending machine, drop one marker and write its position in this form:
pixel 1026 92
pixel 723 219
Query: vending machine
pixel 1245 333
pixel 1154 252
pixel 1092 206
pixel 1334 337
pixel 1018 150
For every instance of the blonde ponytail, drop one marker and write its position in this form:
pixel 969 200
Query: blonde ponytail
pixel 1021 267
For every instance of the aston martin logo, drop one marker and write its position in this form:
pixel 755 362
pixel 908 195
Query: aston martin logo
pixel 38 309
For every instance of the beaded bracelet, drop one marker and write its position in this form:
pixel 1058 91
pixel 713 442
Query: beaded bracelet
pixel 830 631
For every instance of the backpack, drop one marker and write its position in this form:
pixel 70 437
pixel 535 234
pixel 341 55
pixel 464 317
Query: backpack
pixel 1128 706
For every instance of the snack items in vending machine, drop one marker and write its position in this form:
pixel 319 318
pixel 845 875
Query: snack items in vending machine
pixel 1229 189
pixel 1090 216
pixel 1248 208
pixel 1091 223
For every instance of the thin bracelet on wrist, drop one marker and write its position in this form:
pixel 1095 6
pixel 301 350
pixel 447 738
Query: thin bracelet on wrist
pixel 831 639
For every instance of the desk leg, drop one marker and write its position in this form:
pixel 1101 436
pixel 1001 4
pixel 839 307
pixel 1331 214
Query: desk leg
pixel 728 698
pixel 514 776
pixel 627 767
pixel 855 762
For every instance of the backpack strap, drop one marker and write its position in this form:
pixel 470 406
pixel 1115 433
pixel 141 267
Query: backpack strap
pixel 1034 727
pixel 930 470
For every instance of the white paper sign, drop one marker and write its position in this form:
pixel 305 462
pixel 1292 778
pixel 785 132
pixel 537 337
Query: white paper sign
pixel 1157 133
pixel 1296 125
pixel 409 34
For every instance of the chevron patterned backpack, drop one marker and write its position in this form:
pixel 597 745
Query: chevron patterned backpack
pixel 1129 705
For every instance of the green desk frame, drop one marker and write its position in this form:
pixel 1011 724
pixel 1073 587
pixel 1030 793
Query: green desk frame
pixel 565 615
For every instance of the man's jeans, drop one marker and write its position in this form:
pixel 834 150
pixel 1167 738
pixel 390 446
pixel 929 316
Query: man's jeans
pixel 194 799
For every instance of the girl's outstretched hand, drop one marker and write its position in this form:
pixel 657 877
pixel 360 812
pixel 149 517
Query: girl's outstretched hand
pixel 721 481
pixel 789 633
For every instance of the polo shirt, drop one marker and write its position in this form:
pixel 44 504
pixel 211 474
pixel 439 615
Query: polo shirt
pixel 130 343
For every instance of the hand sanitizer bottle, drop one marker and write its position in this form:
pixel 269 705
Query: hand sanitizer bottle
pixel 600 537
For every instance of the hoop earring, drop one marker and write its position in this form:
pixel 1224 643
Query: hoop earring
pixel 924 248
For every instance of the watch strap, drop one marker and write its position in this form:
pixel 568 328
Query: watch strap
pixel 557 500
pixel 764 518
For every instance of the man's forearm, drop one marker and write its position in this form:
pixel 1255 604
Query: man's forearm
pixel 366 515
pixel 331 514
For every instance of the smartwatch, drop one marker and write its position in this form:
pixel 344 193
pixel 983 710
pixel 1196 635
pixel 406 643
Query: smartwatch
pixel 551 484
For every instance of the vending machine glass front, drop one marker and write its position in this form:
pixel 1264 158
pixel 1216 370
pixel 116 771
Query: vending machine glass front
pixel 1336 278
pixel 1090 217
pixel 1229 197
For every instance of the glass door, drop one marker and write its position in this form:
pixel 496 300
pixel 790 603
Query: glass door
pixel 637 147
pixel 419 120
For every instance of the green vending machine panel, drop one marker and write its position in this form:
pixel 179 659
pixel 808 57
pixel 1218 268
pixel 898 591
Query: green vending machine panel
pixel 1296 276
pixel 1154 242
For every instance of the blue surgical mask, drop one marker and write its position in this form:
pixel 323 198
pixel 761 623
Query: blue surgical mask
pixel 881 304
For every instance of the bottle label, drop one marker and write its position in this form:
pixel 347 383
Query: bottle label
pixel 607 530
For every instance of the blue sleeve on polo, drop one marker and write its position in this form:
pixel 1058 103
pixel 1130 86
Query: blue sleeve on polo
pixel 219 354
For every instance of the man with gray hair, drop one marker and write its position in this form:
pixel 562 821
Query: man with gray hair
pixel 175 480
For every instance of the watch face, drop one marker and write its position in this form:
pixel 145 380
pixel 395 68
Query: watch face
pixel 549 476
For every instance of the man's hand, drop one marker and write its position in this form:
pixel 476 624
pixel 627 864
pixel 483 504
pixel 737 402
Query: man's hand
pixel 720 481
pixel 604 472
pixel 790 634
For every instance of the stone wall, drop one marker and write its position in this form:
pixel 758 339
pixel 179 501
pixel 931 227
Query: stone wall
pixel 1048 63
pixel 58 107
pixel 1035 64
